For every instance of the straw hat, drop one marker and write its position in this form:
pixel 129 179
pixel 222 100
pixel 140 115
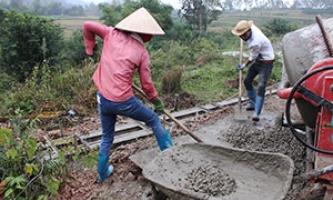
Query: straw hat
pixel 140 21
pixel 241 27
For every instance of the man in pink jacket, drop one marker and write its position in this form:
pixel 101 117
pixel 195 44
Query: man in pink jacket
pixel 122 54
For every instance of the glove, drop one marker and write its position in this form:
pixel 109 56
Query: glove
pixel 158 104
pixel 240 67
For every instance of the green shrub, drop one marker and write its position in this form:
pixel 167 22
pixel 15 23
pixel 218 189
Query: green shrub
pixel 47 90
pixel 26 41
pixel 29 168
pixel 29 175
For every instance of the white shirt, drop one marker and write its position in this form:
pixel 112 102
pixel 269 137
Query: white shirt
pixel 259 44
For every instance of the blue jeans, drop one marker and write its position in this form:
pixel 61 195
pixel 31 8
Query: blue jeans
pixel 133 108
pixel 264 70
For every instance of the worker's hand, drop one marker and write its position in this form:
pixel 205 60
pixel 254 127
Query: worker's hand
pixel 240 66
pixel 159 106
pixel 92 49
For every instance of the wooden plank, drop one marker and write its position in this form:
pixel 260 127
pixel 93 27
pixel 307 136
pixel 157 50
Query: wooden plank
pixel 132 126
pixel 131 136
pixel 118 139
pixel 85 143
pixel 48 141
pixel 185 115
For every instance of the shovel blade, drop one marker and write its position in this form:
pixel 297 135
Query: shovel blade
pixel 241 114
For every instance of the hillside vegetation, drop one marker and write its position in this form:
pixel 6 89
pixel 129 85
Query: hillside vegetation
pixel 205 72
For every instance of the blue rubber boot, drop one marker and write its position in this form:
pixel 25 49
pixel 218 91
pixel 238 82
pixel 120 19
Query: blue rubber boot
pixel 252 99
pixel 164 141
pixel 104 170
pixel 257 109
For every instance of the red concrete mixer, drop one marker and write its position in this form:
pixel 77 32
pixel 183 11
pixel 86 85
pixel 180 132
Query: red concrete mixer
pixel 312 91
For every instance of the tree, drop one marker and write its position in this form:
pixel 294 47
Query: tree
pixel 111 15
pixel 161 12
pixel 54 8
pixel 36 6
pixel 17 4
pixel 74 11
pixel 92 9
pixel 200 13
pixel 74 50
pixel 26 41
pixel 278 26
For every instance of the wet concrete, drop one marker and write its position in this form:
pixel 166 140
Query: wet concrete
pixel 202 171
pixel 268 135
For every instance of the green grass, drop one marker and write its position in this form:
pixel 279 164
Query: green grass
pixel 213 82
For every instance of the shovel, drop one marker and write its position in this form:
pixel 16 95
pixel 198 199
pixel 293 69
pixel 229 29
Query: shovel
pixel 238 115
pixel 314 174
pixel 136 88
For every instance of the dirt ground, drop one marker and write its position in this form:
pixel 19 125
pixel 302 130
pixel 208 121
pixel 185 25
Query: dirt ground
pixel 127 181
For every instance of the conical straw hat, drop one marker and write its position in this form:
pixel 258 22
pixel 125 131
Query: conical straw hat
pixel 140 21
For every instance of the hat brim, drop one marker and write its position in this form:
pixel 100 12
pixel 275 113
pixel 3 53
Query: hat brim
pixel 236 31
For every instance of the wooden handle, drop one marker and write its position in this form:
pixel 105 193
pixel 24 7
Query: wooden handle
pixel 181 126
pixel 136 88
pixel 240 75
pixel 240 62
pixel 316 173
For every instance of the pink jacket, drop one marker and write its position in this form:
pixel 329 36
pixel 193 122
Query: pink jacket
pixel 121 56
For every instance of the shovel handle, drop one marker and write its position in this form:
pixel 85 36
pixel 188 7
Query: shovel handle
pixel 240 76
pixel 314 173
pixel 136 88
pixel 181 126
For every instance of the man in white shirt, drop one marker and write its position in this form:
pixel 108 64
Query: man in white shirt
pixel 262 57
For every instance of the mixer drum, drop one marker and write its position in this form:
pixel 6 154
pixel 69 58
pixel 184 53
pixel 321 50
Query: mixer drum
pixel 301 49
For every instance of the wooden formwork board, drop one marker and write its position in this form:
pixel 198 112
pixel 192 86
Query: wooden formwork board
pixel 186 114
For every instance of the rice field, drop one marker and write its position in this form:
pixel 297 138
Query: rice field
pixel 72 24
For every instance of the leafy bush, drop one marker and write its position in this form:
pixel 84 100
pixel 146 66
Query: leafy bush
pixel 6 82
pixel 24 167
pixel 171 81
pixel 53 91
pixel 29 169
pixel 278 27
pixel 26 41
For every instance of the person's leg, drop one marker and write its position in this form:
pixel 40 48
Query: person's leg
pixel 252 99
pixel 135 109
pixel 108 120
pixel 264 74
pixel 251 92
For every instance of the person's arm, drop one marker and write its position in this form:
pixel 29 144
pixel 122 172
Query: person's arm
pixel 254 53
pixel 90 30
pixel 145 78
pixel 248 61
